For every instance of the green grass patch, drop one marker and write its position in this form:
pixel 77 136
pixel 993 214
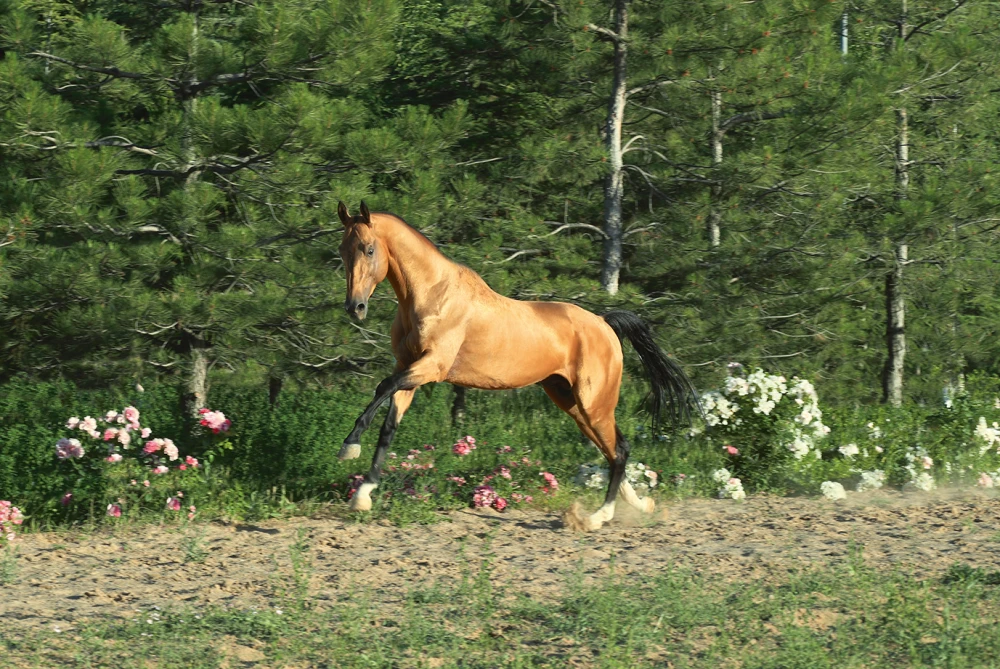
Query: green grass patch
pixel 850 616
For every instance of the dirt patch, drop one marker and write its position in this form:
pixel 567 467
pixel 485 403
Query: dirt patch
pixel 64 579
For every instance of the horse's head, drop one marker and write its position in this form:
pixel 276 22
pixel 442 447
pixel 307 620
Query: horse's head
pixel 365 259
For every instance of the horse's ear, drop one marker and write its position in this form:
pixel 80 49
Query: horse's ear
pixel 366 216
pixel 345 216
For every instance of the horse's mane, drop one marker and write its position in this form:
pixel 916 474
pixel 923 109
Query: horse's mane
pixel 419 234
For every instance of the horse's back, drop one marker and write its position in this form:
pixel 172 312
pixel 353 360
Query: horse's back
pixel 512 343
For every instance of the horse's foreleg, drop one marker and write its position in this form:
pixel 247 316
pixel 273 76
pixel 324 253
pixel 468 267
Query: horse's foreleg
pixel 426 370
pixel 400 402
pixel 386 389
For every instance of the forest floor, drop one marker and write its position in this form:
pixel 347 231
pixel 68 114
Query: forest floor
pixel 63 583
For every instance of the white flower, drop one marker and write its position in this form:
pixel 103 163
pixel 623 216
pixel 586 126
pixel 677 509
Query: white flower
pixel 721 475
pixel 733 489
pixel 849 450
pixel 923 481
pixel 872 480
pixel 989 435
pixel 592 476
pixel 832 490
pixel 800 446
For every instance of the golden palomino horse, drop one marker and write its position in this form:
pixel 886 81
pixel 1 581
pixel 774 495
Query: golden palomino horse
pixel 450 326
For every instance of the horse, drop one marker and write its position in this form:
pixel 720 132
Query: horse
pixel 450 326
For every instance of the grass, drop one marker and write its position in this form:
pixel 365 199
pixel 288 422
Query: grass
pixel 849 616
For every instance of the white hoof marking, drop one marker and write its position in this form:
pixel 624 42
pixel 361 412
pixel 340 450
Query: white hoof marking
pixel 349 451
pixel 362 499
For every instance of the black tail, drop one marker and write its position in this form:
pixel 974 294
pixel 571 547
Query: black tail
pixel 670 389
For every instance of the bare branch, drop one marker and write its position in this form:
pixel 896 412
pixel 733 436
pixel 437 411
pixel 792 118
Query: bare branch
pixel 571 226
pixel 603 32
pixel 110 71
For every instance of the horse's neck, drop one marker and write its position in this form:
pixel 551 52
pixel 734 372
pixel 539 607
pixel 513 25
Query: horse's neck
pixel 415 266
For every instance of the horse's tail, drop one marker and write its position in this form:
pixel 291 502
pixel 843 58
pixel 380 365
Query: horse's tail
pixel 670 389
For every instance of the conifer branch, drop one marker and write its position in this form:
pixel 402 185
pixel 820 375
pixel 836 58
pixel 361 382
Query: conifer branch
pixel 752 117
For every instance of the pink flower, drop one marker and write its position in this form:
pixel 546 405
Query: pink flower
pixel 499 504
pixel 69 448
pixel 132 482
pixel 429 447
pixel 462 448
pixel 504 472
pixel 146 432
pixel 182 466
pixel 110 433
pixel 152 446
pixel 214 420
pixel 161 469
pixel 470 440
pixel 66 499
pixel 550 481
pixel 732 450
pixel 457 479
pixel 927 462
pixel 131 414
pixel 124 438
pixel 985 480
pixel 94 434
pixel 173 504
pixel 110 416
pixel 191 516
pixel 72 423
pixel 192 508
pixel 88 424
pixel 170 449
pixel 114 457
pixel 191 461
pixel 483 496
pixel 146 483
pixel 504 449
pixel 114 510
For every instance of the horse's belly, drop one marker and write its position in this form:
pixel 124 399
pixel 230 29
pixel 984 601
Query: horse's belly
pixel 507 364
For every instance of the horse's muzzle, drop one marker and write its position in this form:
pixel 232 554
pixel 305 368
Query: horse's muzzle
pixel 356 308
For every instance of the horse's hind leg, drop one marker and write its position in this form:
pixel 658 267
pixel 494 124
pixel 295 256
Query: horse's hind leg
pixel 599 426
pixel 400 402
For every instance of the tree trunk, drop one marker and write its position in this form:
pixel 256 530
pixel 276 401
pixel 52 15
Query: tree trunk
pixel 895 302
pixel 197 387
pixel 274 384
pixel 843 34
pixel 614 185
pixel 458 406
pixel 714 230
pixel 895 334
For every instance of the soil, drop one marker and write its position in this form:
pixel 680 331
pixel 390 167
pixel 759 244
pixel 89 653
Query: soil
pixel 64 579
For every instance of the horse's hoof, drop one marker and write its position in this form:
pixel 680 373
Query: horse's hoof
pixel 576 519
pixel 349 451
pixel 362 499
pixel 358 503
pixel 648 505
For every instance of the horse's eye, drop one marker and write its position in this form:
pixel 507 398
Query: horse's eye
pixel 371 250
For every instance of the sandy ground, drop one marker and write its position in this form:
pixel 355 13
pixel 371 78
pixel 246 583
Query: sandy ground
pixel 64 579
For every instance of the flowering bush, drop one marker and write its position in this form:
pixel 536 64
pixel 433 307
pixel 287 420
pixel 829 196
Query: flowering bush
pixel 636 473
pixel 833 490
pixel 450 478
pixel 769 426
pixel 732 487
pixel 10 517
pixel 123 452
